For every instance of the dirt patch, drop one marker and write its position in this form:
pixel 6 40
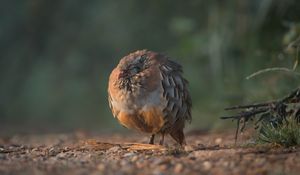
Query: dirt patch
pixel 80 153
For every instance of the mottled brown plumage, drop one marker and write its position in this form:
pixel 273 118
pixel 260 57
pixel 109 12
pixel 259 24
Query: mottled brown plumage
pixel 147 93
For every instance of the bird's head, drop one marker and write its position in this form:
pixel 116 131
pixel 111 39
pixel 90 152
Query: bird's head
pixel 130 69
pixel 132 65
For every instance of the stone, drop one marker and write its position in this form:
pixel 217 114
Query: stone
pixel 207 165
pixel 178 168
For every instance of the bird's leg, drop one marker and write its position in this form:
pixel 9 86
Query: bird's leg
pixel 152 139
pixel 178 136
pixel 161 142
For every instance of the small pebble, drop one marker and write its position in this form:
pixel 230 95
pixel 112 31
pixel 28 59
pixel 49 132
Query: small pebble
pixel 159 161
pixel 178 168
pixel 163 167
pixel 100 167
pixel 188 148
pixel 129 154
pixel 207 165
pixel 134 158
pixel 114 149
pixel 218 140
pixel 140 164
pixel 61 155
pixel 225 164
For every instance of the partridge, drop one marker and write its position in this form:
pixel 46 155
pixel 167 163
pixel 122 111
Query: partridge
pixel 147 93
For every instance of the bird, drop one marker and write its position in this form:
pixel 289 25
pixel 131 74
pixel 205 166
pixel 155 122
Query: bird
pixel 147 93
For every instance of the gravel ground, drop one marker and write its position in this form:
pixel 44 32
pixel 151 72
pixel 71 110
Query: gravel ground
pixel 81 153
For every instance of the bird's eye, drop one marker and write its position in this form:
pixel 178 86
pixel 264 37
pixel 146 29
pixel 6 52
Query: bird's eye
pixel 136 69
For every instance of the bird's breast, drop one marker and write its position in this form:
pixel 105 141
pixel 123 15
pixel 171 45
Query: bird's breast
pixel 140 110
pixel 149 120
pixel 140 99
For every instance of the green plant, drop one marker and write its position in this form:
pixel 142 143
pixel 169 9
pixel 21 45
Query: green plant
pixel 285 134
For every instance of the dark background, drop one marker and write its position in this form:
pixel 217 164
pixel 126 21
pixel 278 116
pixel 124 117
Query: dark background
pixel 56 56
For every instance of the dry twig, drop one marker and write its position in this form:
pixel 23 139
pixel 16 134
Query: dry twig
pixel 262 110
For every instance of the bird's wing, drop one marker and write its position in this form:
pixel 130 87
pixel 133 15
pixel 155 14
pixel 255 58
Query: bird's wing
pixel 176 93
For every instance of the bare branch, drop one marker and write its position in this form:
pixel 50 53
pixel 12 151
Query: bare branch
pixel 271 70
pixel 263 110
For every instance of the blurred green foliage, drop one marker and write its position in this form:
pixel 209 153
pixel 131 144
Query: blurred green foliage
pixel 287 134
pixel 56 56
